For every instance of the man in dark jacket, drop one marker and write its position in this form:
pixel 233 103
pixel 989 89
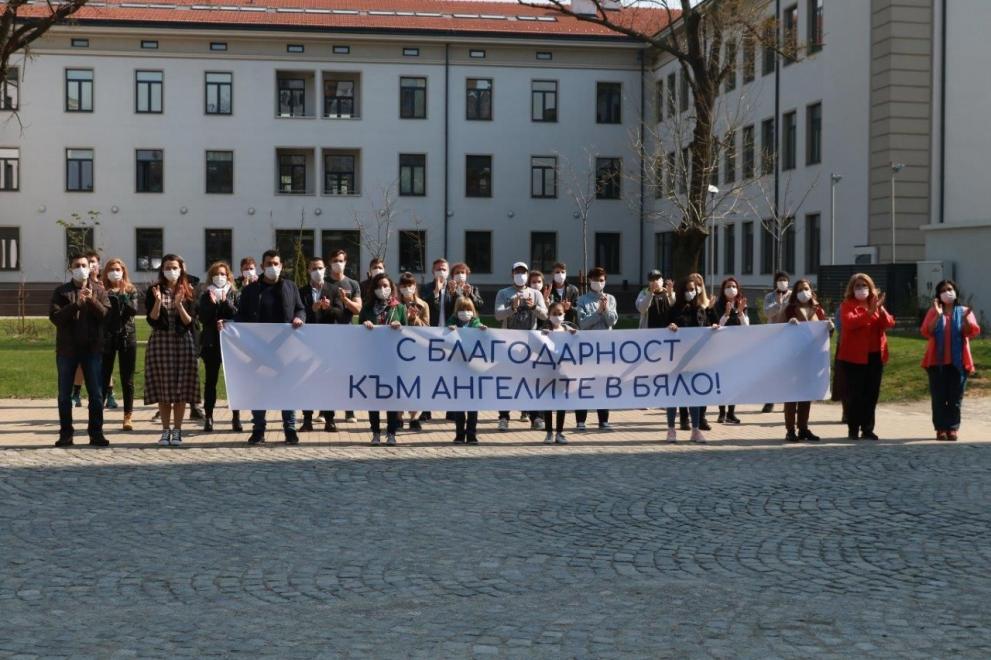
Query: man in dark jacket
pixel 315 296
pixel 78 310
pixel 272 299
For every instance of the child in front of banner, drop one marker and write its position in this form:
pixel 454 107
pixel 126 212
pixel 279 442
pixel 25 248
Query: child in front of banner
pixel 382 307
pixel 556 323
pixel 465 316
pixel 803 306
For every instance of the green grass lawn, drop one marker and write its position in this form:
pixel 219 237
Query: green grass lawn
pixel 27 362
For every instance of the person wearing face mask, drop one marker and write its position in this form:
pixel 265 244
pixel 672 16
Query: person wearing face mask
pixel 440 297
pixel 249 273
pixel 345 302
pixel 459 287
pixel 120 338
pixel 375 267
pixel 316 298
pixel 465 316
pixel 802 308
pixel 732 306
pixel 863 352
pixel 171 373
pixel 654 302
pixel 518 307
pixel 93 258
pixel 558 290
pixel 78 310
pixel 417 314
pixel 949 326
pixel 383 308
pixel 271 299
pixel 596 311
pixel 217 303
pixel 556 323
pixel 689 312
pixel 774 304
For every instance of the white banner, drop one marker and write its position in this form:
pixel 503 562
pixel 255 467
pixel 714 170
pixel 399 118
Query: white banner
pixel 339 367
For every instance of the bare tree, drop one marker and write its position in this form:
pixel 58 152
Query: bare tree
pixel 22 23
pixel 778 219
pixel 581 185
pixel 380 223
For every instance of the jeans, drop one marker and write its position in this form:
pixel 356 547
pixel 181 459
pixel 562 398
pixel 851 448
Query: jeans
pixel 92 366
pixel 559 426
pixel 694 412
pixel 459 423
pixel 863 389
pixel 946 386
pixel 128 358
pixel 288 420
pixel 391 421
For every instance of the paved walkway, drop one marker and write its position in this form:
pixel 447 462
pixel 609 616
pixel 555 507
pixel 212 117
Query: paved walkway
pixel 615 545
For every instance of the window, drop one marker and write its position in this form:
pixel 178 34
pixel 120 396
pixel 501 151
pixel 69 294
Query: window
pixel 292 173
pixel 672 78
pixel 296 49
pixel 664 251
pixel 149 44
pixel 748 248
pixel 148 91
pixel 220 172
pixel 770 55
pixel 219 93
pixel 290 242
pixel 79 43
pixel 412 175
pixel 683 94
pixel 545 55
pixel 478 251
pixel 340 97
pixel 292 97
pixel 543 250
pixel 148 248
pixel 767 146
pixel 730 83
pixel 748 152
pixel 672 168
pixel 478 176
pixel 342 50
pixel 767 248
pixel 477 54
pixel 218 245
pixel 478 99
pixel 348 240
pixel 218 45
pixel 543 100
pixel 813 239
pixel 79 240
pixel 10 248
pixel 789 139
pixel 813 134
pixel 9 89
pixel 790 36
pixel 816 34
pixel 608 181
pixel 148 171
pixel 729 158
pixel 411 52
pixel 340 173
pixel 729 249
pixel 608 103
pixel 659 100
pixel 749 58
pixel 412 251
pixel 658 165
pixel 79 170
pixel 788 246
pixel 10 169
pixel 412 98
pixel 79 90
pixel 543 177
pixel 607 251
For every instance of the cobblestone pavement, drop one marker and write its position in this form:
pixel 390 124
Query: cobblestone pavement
pixel 615 545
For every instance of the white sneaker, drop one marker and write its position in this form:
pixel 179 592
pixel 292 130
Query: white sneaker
pixel 176 437
pixel 503 424
pixel 166 438
pixel 376 438
pixel 560 439
pixel 538 424
pixel 697 437
pixel 580 426
pixel 524 416
pixel 672 436
pixel 350 419
pixel 549 439
pixel 605 426
pixel 390 438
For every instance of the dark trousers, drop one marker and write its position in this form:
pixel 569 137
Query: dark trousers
pixel 459 423
pixel 582 415
pixel 211 365
pixel 128 356
pixel 800 409
pixel 503 414
pixel 391 421
pixel 863 389
pixel 328 415
pixel 694 412
pixel 946 386
pixel 559 421
pixel 92 366
pixel 288 420
pixel 727 409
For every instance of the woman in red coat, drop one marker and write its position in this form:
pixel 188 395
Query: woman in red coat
pixel 863 352
pixel 949 327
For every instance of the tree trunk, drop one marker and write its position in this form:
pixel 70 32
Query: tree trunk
pixel 688 245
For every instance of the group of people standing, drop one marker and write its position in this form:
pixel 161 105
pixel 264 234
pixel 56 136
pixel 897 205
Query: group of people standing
pixel 95 311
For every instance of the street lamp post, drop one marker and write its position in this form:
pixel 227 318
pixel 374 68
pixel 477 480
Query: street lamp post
pixel 713 191
pixel 834 180
pixel 895 169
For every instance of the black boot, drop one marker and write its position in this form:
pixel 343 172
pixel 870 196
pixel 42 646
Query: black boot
pixel 307 421
pixel 208 423
pixel 236 422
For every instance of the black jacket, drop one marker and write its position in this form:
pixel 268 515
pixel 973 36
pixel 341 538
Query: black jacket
pixel 118 328
pixel 691 316
pixel 249 305
pixel 306 296
pixel 209 313
pixel 78 324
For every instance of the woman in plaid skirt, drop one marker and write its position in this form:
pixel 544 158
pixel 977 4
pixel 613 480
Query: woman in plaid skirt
pixel 171 378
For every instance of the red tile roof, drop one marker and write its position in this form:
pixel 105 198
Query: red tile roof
pixel 446 16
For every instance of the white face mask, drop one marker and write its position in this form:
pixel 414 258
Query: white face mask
pixel 519 279
pixel 460 278
pixel 861 292
pixel 337 267
pixel 80 273
pixel 596 285
pixel 273 272
pixel 730 292
pixel 948 296
pixel 171 274
pixel 377 271
pixel 690 295
pixel 249 275
pixel 220 281
pixel 115 275
pixel 559 278
pixel 556 320
pixel 383 293
pixel 782 285
pixel 441 273
pixel 464 316
pixel 408 291
pixel 804 296
pixel 317 275
pixel 537 286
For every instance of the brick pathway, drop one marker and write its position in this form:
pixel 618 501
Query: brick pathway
pixel 616 545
